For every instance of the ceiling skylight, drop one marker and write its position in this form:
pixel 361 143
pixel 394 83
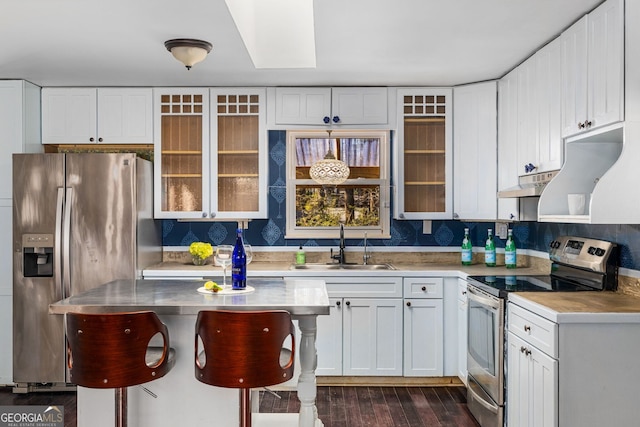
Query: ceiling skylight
pixel 276 33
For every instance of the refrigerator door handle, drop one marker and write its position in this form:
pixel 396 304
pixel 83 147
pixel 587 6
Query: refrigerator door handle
pixel 57 250
pixel 66 243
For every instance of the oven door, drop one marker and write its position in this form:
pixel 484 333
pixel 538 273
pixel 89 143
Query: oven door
pixel 485 342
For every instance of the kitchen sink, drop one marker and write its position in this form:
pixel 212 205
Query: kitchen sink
pixel 331 266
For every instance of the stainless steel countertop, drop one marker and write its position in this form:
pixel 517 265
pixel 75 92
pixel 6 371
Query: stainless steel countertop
pixel 298 296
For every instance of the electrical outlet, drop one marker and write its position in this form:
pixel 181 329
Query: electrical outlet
pixel 501 229
pixel 426 226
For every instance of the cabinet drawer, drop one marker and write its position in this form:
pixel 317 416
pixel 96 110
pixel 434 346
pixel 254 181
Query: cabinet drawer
pixel 423 287
pixel 363 287
pixel 534 329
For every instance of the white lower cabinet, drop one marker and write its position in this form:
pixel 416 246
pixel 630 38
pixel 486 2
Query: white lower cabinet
pixel 329 340
pixel 423 327
pixel 362 336
pixel 571 369
pixel 532 385
pixel 462 330
pixel 372 340
pixel 532 369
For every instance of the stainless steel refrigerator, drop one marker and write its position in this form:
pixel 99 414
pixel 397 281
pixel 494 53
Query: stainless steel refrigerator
pixel 79 220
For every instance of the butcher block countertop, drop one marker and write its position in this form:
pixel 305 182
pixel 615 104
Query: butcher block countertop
pixel 581 307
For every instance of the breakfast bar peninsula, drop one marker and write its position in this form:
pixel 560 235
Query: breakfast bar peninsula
pixel 178 398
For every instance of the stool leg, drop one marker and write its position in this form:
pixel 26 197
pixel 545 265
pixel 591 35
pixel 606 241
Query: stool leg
pixel 121 407
pixel 245 407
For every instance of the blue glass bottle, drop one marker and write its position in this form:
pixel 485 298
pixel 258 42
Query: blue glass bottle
pixel 239 264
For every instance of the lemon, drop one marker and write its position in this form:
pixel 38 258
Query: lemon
pixel 212 286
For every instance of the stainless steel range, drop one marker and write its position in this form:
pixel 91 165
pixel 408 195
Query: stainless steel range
pixel 578 264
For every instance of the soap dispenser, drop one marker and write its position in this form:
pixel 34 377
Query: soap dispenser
pixel 301 258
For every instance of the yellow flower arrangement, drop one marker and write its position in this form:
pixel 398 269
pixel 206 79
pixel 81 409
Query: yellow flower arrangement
pixel 201 250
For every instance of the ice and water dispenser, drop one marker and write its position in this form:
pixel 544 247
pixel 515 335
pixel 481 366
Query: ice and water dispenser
pixel 37 250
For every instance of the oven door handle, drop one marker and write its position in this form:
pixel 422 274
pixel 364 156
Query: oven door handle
pixel 491 302
pixel 482 397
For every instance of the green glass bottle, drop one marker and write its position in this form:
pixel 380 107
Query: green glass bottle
pixel 510 251
pixel 490 250
pixel 467 249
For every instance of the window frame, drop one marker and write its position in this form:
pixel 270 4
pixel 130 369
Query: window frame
pixel 381 231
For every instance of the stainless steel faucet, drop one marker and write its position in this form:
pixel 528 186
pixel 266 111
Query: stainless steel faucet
pixel 365 255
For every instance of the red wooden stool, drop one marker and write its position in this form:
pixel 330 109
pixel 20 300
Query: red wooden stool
pixel 244 349
pixel 112 351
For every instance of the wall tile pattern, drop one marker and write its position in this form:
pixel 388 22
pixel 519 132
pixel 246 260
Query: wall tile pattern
pixel 270 232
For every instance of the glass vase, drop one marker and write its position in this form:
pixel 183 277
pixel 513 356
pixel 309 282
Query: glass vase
pixel 198 261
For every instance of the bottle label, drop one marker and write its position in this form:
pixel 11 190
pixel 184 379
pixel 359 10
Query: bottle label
pixel 490 257
pixel 466 255
pixel 510 258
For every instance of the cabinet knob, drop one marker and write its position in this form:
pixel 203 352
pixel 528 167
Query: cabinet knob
pixel 408 303
pixel 401 215
pixel 456 216
pixel 588 123
pixel 424 289
pixel 527 328
pixel 511 216
pixel 91 139
pixel 335 119
pixel 530 167
pixel 212 215
pixel 348 303
pixel 326 119
pixel 525 350
pixel 204 214
pixel 337 303
pixel 581 125
pixel 99 139
pixel 464 292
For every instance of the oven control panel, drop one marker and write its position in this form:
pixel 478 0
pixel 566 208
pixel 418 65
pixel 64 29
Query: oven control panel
pixel 582 252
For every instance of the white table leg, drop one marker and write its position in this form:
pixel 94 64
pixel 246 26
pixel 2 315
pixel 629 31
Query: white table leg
pixel 307 381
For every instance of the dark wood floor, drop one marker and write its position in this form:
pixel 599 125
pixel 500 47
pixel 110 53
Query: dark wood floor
pixel 337 406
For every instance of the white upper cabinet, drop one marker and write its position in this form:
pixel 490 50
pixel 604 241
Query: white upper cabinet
pixel 475 144
pixel 508 208
pixel 593 70
pixel 331 107
pixel 210 153
pixel 540 146
pixel 102 115
pixel 19 127
pixel 423 167
pixel 238 152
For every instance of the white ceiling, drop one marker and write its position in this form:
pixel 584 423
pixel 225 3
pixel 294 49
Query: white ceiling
pixel 358 42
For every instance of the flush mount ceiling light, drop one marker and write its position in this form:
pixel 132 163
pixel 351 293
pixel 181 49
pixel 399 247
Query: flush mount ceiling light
pixel 329 171
pixel 188 51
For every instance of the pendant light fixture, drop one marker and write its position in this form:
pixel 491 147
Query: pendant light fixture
pixel 188 51
pixel 329 171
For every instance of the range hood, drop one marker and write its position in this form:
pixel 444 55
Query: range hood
pixel 528 185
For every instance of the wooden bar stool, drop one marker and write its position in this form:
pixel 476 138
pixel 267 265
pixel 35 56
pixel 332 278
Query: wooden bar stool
pixel 113 351
pixel 244 349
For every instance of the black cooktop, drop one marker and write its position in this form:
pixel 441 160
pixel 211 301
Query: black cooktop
pixel 501 285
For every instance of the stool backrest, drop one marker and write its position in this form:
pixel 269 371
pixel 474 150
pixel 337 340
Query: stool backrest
pixel 242 349
pixel 110 350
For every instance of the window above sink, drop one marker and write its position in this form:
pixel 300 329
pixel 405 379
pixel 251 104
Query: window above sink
pixel 361 203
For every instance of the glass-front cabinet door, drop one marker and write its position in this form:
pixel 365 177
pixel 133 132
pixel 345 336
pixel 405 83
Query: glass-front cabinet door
pixel 423 160
pixel 181 153
pixel 210 153
pixel 238 153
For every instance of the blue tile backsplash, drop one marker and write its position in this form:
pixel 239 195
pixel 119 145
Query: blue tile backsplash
pixel 270 232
